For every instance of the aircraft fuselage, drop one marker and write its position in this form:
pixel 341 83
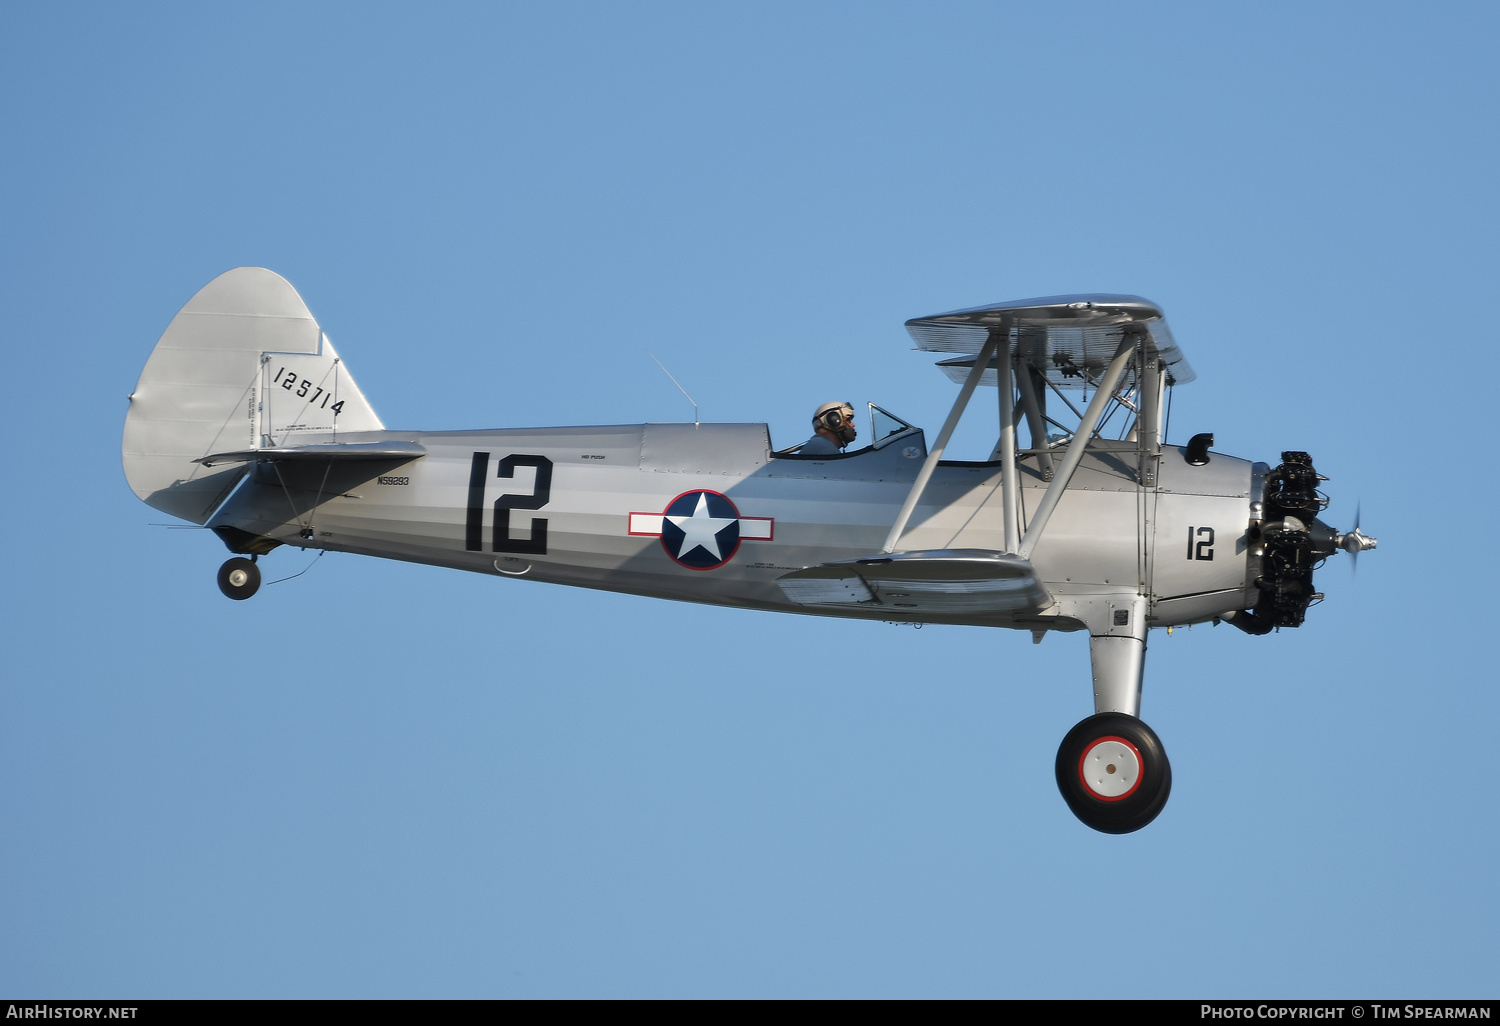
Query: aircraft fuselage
pixel 707 513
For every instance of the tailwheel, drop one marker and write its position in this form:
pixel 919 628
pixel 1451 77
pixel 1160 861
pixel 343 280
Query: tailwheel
pixel 239 578
pixel 1113 772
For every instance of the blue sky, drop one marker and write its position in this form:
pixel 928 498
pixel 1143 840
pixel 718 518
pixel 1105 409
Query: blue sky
pixel 392 780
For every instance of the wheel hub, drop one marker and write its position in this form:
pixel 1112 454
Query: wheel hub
pixel 1110 769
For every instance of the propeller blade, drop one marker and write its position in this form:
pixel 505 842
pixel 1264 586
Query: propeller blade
pixel 1354 542
pixel 1354 556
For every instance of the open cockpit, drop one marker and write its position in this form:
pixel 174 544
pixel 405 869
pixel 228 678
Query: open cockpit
pixel 885 429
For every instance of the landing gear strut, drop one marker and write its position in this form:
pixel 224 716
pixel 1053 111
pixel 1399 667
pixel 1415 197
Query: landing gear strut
pixel 239 578
pixel 1113 773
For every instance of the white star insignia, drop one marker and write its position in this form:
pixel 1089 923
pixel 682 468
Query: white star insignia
pixel 701 530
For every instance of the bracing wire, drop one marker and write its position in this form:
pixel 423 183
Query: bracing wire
pixel 304 570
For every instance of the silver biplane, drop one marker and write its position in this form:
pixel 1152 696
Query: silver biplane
pixel 247 421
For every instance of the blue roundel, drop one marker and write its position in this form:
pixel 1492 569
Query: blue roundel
pixel 701 530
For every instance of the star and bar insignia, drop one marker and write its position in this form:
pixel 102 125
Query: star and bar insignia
pixel 701 529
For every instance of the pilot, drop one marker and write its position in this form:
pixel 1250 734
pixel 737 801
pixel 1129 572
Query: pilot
pixel 833 425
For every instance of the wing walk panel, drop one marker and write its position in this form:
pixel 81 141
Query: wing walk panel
pixel 937 581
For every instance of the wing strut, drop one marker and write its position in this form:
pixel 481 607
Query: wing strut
pixel 1034 419
pixel 925 474
pixel 1104 391
pixel 1009 486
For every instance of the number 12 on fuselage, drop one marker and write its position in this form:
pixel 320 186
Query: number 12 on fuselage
pixel 541 493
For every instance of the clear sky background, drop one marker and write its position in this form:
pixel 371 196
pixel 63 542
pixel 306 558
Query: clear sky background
pixel 388 780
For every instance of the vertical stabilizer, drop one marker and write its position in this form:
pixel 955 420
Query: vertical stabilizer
pixel 242 365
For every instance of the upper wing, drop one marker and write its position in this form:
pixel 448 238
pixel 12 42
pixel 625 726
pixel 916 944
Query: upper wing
pixel 1069 338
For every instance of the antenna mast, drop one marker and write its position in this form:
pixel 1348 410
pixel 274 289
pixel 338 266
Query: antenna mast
pixel 675 382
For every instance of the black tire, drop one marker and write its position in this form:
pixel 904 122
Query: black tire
pixel 1111 802
pixel 239 578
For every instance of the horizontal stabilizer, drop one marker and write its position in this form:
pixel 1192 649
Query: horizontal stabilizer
pixel 966 581
pixel 330 451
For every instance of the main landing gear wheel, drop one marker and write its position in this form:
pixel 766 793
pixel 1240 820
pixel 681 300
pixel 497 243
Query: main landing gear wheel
pixel 239 578
pixel 1113 773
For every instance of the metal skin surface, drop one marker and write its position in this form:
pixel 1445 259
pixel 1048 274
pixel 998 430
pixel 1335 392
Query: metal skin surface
pixel 246 420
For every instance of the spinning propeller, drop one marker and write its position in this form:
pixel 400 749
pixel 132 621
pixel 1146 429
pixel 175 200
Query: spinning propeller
pixel 1354 543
